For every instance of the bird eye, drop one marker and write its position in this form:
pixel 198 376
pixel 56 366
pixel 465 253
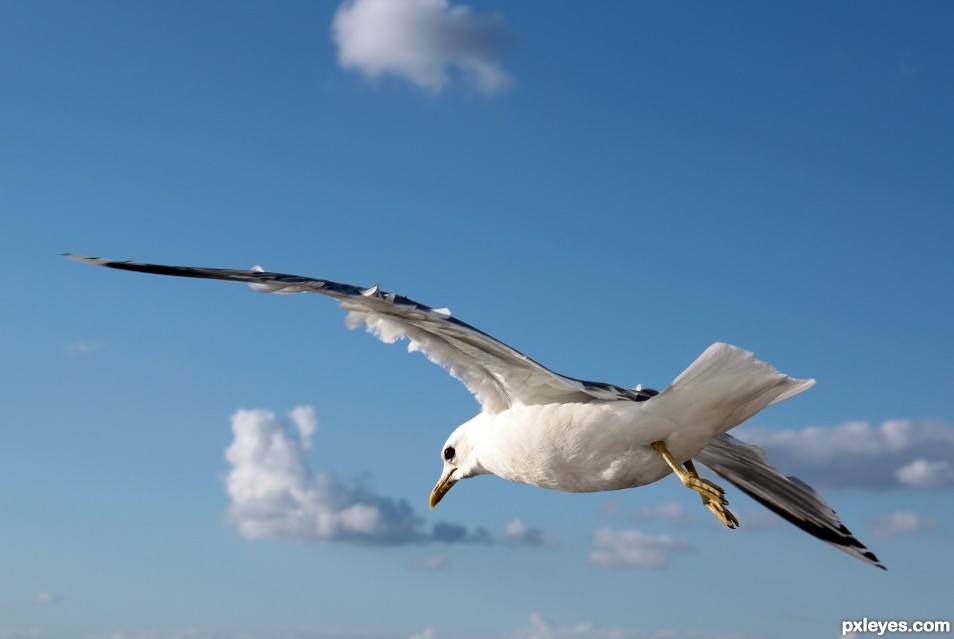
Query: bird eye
pixel 449 453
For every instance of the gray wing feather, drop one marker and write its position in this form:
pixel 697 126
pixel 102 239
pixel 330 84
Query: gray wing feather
pixel 495 373
pixel 747 467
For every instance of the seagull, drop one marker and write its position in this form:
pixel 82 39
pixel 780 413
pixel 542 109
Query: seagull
pixel 557 432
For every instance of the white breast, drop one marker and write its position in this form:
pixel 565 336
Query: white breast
pixel 577 447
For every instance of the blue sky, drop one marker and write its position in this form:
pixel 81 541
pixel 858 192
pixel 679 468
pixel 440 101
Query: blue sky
pixel 608 187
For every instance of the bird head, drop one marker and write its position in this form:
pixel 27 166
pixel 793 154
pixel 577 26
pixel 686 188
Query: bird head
pixel 460 459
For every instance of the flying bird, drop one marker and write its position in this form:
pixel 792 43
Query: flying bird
pixel 553 431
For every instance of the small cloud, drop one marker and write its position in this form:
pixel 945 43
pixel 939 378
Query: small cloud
pixel 540 628
pixel 45 597
pixel 922 473
pixel 427 633
pixel 671 511
pixel 516 533
pixel 81 347
pixel 420 40
pixel 632 548
pixel 609 508
pixel 433 562
pixel 900 523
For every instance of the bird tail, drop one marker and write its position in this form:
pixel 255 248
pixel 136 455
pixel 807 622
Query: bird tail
pixel 725 386
pixel 747 467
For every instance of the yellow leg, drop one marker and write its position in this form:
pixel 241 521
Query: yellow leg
pixel 713 497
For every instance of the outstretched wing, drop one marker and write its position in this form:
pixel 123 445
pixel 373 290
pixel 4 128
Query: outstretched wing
pixel 495 373
pixel 747 467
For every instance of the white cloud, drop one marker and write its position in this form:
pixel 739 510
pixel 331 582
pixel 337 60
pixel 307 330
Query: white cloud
pixel 670 511
pixel 274 494
pixel 898 453
pixel 922 473
pixel 516 533
pixel 45 597
pixel 427 633
pixel 421 40
pixel 632 548
pixel 901 522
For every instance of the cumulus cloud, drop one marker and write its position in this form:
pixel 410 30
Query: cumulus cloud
pixel 632 548
pixel 421 41
pixel 516 533
pixel 901 522
pixel 897 453
pixel 274 493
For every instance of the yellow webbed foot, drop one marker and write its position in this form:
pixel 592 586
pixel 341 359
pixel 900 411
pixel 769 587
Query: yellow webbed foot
pixel 713 497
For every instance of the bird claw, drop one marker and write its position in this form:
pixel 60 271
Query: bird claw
pixel 713 496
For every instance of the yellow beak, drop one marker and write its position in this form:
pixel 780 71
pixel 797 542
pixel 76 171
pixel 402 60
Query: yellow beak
pixel 443 485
